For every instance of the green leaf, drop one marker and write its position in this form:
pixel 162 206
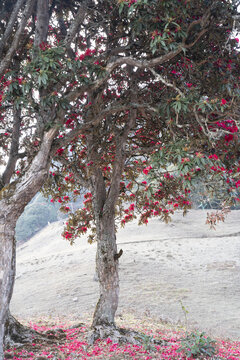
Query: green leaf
pixel 121 6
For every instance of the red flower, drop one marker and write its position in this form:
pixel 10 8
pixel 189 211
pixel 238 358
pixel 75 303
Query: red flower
pixel 147 169
pixel 67 235
pixel 214 156
pixel 223 102
pixel 131 207
pixel 60 151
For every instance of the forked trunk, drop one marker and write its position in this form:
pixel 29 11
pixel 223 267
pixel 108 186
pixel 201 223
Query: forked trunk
pixel 107 268
pixel 7 270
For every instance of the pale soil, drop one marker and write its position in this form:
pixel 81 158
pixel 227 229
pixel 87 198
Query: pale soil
pixel 162 264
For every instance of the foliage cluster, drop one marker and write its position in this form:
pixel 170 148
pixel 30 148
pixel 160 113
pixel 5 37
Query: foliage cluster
pixel 197 345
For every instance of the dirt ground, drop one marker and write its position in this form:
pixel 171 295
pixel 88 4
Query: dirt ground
pixel 163 265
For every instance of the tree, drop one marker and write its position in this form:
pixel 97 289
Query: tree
pixel 113 79
pixel 39 80
pixel 162 98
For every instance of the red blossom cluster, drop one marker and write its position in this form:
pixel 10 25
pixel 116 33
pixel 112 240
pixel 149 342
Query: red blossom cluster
pixel 230 126
pixel 70 178
pixel 88 53
pixel 60 151
pixel 147 169
pixel 67 235
pixel 44 46
pixel 71 120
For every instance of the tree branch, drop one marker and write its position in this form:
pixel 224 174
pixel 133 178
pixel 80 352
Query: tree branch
pixel 120 157
pixel 75 26
pixel 160 78
pixel 10 25
pixel 127 60
pixel 18 35
pixel 13 156
pixel 62 142
pixel 42 22
pixel 65 162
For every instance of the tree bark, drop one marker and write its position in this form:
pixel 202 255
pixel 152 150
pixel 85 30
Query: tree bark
pixel 13 199
pixel 7 268
pixel 103 325
pixel 17 334
pixel 107 269
pixel 104 211
pixel 42 22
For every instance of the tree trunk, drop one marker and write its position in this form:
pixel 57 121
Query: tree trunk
pixel 7 270
pixel 103 325
pixel 13 199
pixel 17 334
pixel 14 332
pixel 107 269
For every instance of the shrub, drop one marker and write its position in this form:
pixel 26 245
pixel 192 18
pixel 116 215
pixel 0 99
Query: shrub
pixel 197 345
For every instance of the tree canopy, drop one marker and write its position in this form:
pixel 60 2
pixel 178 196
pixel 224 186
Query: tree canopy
pixel 174 63
pixel 162 121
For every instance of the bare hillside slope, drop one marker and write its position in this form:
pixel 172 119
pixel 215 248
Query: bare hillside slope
pixel 161 265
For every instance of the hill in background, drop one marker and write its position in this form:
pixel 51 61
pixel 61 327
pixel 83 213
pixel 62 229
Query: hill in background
pixel 162 264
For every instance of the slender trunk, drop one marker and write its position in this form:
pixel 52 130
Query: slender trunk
pixel 107 268
pixel 7 269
